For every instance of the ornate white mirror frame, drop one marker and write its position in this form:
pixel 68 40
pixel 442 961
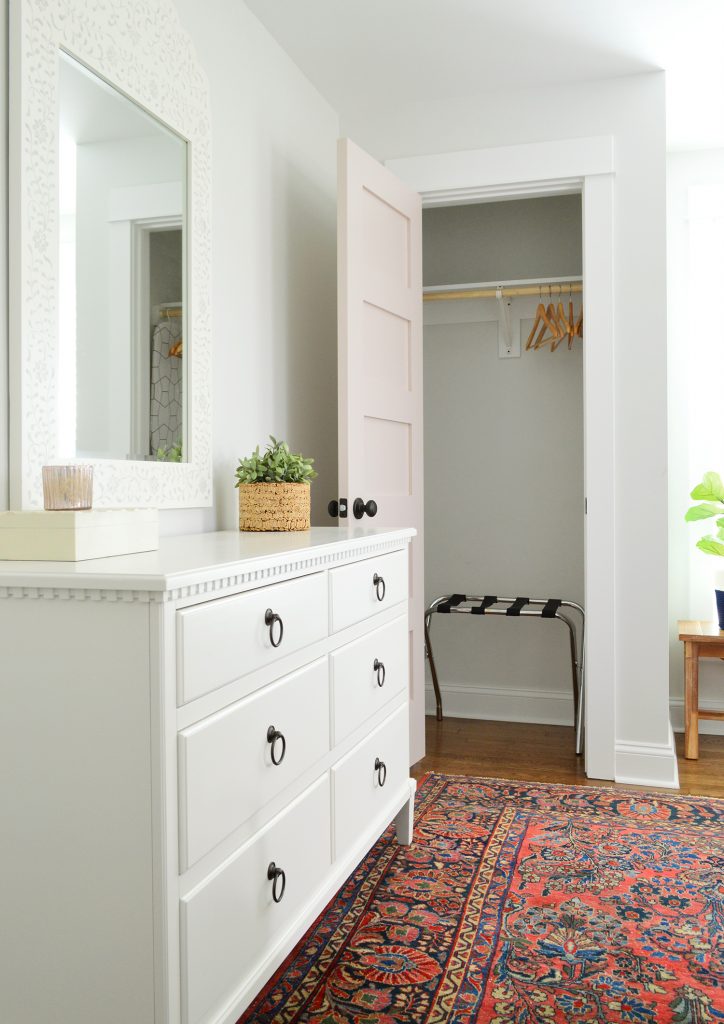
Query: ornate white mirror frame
pixel 141 49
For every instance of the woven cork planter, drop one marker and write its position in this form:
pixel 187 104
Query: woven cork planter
pixel 264 507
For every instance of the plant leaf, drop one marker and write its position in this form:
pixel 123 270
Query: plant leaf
pixel 277 464
pixel 705 511
pixel 710 546
pixel 710 489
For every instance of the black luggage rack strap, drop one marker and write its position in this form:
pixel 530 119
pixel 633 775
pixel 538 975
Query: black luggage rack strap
pixel 516 607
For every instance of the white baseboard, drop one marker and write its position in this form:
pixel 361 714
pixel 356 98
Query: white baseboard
pixel 676 710
pixel 638 764
pixel 503 704
pixel 648 764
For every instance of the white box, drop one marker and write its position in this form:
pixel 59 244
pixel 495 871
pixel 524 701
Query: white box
pixel 70 536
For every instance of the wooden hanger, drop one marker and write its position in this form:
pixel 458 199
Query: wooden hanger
pixel 567 321
pixel 562 317
pixel 540 317
pixel 550 323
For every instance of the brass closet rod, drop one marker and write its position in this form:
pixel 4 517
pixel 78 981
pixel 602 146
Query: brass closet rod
pixel 546 290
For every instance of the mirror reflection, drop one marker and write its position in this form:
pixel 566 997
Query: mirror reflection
pixel 122 276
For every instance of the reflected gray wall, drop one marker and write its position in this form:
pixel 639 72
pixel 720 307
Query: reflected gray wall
pixel 165 258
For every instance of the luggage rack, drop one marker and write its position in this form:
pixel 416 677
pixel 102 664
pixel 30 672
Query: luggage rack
pixel 517 607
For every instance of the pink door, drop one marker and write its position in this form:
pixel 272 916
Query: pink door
pixel 379 270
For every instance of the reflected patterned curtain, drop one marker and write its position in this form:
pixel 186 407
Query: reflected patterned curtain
pixel 166 383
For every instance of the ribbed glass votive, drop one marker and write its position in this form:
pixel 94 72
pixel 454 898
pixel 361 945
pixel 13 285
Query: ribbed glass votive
pixel 67 487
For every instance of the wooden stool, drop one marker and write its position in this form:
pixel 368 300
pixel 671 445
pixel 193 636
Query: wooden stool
pixel 701 640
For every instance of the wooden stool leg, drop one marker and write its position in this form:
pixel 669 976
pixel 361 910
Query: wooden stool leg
pixel 691 700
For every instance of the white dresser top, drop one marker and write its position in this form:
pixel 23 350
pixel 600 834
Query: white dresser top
pixel 194 559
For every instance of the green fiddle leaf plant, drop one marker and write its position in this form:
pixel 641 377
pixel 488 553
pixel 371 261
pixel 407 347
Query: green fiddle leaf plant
pixel 277 464
pixel 710 494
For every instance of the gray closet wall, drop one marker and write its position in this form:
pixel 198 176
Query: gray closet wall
pixel 503 460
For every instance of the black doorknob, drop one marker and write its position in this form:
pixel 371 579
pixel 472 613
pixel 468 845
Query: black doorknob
pixel 360 508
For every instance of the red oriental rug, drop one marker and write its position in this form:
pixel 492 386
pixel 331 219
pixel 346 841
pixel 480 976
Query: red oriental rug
pixel 521 903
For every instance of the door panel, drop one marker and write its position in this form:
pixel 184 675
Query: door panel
pixel 380 369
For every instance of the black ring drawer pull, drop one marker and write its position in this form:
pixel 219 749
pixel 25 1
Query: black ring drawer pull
pixel 381 769
pixel 379 582
pixel 273 873
pixel 379 667
pixel 272 735
pixel 270 618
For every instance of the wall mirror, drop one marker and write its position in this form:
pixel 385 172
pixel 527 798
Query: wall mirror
pixel 110 318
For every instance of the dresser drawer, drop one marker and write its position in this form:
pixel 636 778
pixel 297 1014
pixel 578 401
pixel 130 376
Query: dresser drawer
pixel 361 792
pixel 364 588
pixel 222 640
pixel 230 922
pixel 367 674
pixel 226 771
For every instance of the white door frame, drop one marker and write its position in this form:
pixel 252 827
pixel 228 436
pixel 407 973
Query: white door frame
pixel 549 168
pixel 136 211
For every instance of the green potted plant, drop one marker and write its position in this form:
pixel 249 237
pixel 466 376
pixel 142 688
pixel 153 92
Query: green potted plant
pixel 172 454
pixel 710 494
pixel 274 489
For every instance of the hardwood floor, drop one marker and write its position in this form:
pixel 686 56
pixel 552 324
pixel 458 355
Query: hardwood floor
pixel 544 753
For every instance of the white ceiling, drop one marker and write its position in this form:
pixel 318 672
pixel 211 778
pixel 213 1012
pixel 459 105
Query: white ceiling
pixel 401 51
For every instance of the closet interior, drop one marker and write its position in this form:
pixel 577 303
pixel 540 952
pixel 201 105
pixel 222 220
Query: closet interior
pixel 504 478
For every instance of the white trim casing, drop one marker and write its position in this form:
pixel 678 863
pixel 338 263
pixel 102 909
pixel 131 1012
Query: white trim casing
pixel 569 165
pixel 514 171
pixel 108 37
pixel 648 764
pixel 599 428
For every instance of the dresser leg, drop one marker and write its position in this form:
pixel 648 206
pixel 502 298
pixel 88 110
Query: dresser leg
pixel 405 818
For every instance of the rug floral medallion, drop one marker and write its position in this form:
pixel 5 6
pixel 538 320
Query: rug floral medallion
pixel 521 903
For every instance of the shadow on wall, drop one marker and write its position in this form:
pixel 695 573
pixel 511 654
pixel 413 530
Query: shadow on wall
pixel 304 324
pixel 288 365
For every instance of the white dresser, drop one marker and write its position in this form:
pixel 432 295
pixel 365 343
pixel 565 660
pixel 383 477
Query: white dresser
pixel 198 746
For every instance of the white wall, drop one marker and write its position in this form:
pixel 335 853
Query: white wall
pixel 274 255
pixel 273 262
pixel 3 256
pixel 696 370
pixel 633 111
pixel 274 289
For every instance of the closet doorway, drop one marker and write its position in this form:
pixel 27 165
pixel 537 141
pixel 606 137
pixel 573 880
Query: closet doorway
pixel 504 452
pixel 379 263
